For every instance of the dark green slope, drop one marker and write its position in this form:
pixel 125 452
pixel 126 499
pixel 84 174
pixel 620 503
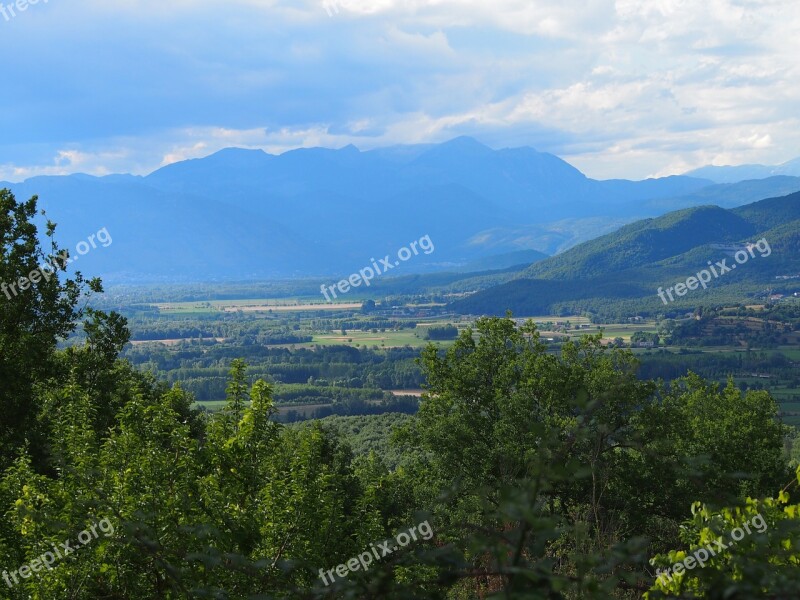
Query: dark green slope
pixel 620 273
pixel 785 243
pixel 529 297
pixel 644 242
pixel 771 212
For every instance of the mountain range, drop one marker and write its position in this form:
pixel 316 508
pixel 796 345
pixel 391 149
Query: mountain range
pixel 734 174
pixel 246 214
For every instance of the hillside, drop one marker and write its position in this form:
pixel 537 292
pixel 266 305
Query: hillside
pixel 644 242
pixel 771 212
pixel 626 268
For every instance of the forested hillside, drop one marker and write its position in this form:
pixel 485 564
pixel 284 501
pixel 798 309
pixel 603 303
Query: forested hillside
pixel 622 271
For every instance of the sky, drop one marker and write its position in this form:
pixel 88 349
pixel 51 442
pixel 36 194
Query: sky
pixel 619 88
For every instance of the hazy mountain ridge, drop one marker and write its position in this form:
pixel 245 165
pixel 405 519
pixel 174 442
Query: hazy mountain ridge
pixel 733 174
pixel 245 214
pixel 725 195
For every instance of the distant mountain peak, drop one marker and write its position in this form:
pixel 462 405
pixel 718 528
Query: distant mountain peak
pixel 465 143
pixel 235 152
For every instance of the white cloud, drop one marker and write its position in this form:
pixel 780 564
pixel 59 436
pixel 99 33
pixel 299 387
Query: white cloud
pixel 65 162
pixel 619 87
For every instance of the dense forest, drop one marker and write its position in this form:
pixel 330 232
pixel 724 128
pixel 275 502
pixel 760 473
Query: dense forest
pixel 524 474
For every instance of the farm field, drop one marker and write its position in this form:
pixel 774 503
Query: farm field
pixel 306 304
pixel 176 341
pixel 292 307
pixel 392 339
pixel 255 305
pixel 339 356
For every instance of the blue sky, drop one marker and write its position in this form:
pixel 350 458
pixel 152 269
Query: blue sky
pixel 625 88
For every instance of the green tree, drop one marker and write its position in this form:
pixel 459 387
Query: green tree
pixel 556 469
pixel 532 442
pixel 38 306
pixel 710 444
pixel 748 550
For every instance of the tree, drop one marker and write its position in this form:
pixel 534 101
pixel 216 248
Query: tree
pixel 447 332
pixel 37 307
pixel 710 444
pixel 641 338
pixel 527 446
pixel 549 473
pixel 748 550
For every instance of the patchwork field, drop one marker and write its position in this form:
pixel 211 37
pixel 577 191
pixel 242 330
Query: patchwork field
pixel 335 353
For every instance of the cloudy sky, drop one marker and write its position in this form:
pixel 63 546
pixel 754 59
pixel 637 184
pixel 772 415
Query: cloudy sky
pixel 625 88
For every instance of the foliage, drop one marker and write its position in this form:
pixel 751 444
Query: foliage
pixel 37 307
pixel 448 332
pixel 762 564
